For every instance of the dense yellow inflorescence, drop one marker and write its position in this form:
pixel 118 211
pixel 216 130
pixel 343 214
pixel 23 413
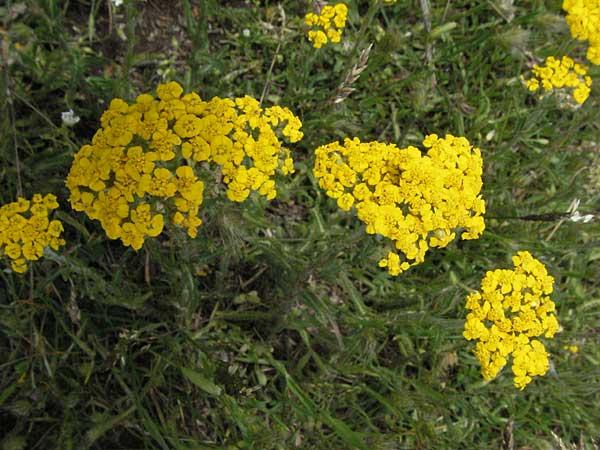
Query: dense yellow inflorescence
pixel 25 230
pixel 559 74
pixel 328 25
pixel 583 17
pixel 511 310
pixel 142 168
pixel 418 201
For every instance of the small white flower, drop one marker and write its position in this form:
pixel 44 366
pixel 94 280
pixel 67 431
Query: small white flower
pixel 69 118
pixel 575 216
pixel 246 32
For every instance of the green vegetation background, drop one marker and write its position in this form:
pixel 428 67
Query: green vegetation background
pixel 275 329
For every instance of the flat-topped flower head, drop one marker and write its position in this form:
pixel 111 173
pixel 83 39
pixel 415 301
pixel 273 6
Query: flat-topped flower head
pixel 417 201
pixel 561 74
pixel 511 310
pixel 327 25
pixel 26 229
pixel 583 18
pixel 142 170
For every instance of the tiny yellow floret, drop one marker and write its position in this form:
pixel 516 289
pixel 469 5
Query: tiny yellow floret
pixel 572 348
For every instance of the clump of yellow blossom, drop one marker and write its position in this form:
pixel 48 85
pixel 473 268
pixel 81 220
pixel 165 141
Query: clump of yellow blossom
pixel 559 74
pixel 25 230
pixel 583 17
pixel 418 201
pixel 511 310
pixel 142 168
pixel 327 25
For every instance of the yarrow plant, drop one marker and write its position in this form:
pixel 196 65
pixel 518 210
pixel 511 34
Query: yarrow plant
pixel 142 169
pixel 25 230
pixel 327 25
pixel 418 201
pixel 511 310
pixel 559 74
pixel 583 17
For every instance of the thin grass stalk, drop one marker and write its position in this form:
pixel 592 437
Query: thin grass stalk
pixel 265 90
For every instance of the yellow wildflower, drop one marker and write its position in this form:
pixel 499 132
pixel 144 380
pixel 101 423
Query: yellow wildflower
pixel 561 74
pixel 583 18
pixel 142 166
pixel 417 201
pixel 328 25
pixel 25 230
pixel 512 308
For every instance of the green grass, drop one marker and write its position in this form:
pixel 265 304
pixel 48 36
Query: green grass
pixel 293 337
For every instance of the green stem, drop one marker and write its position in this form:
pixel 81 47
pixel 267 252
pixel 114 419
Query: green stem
pixel 131 17
pixel 366 23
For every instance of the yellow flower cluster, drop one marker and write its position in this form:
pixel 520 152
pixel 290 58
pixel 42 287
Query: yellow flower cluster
pixel 512 308
pixel 25 230
pixel 561 73
pixel 328 25
pixel 418 201
pixel 583 17
pixel 143 164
